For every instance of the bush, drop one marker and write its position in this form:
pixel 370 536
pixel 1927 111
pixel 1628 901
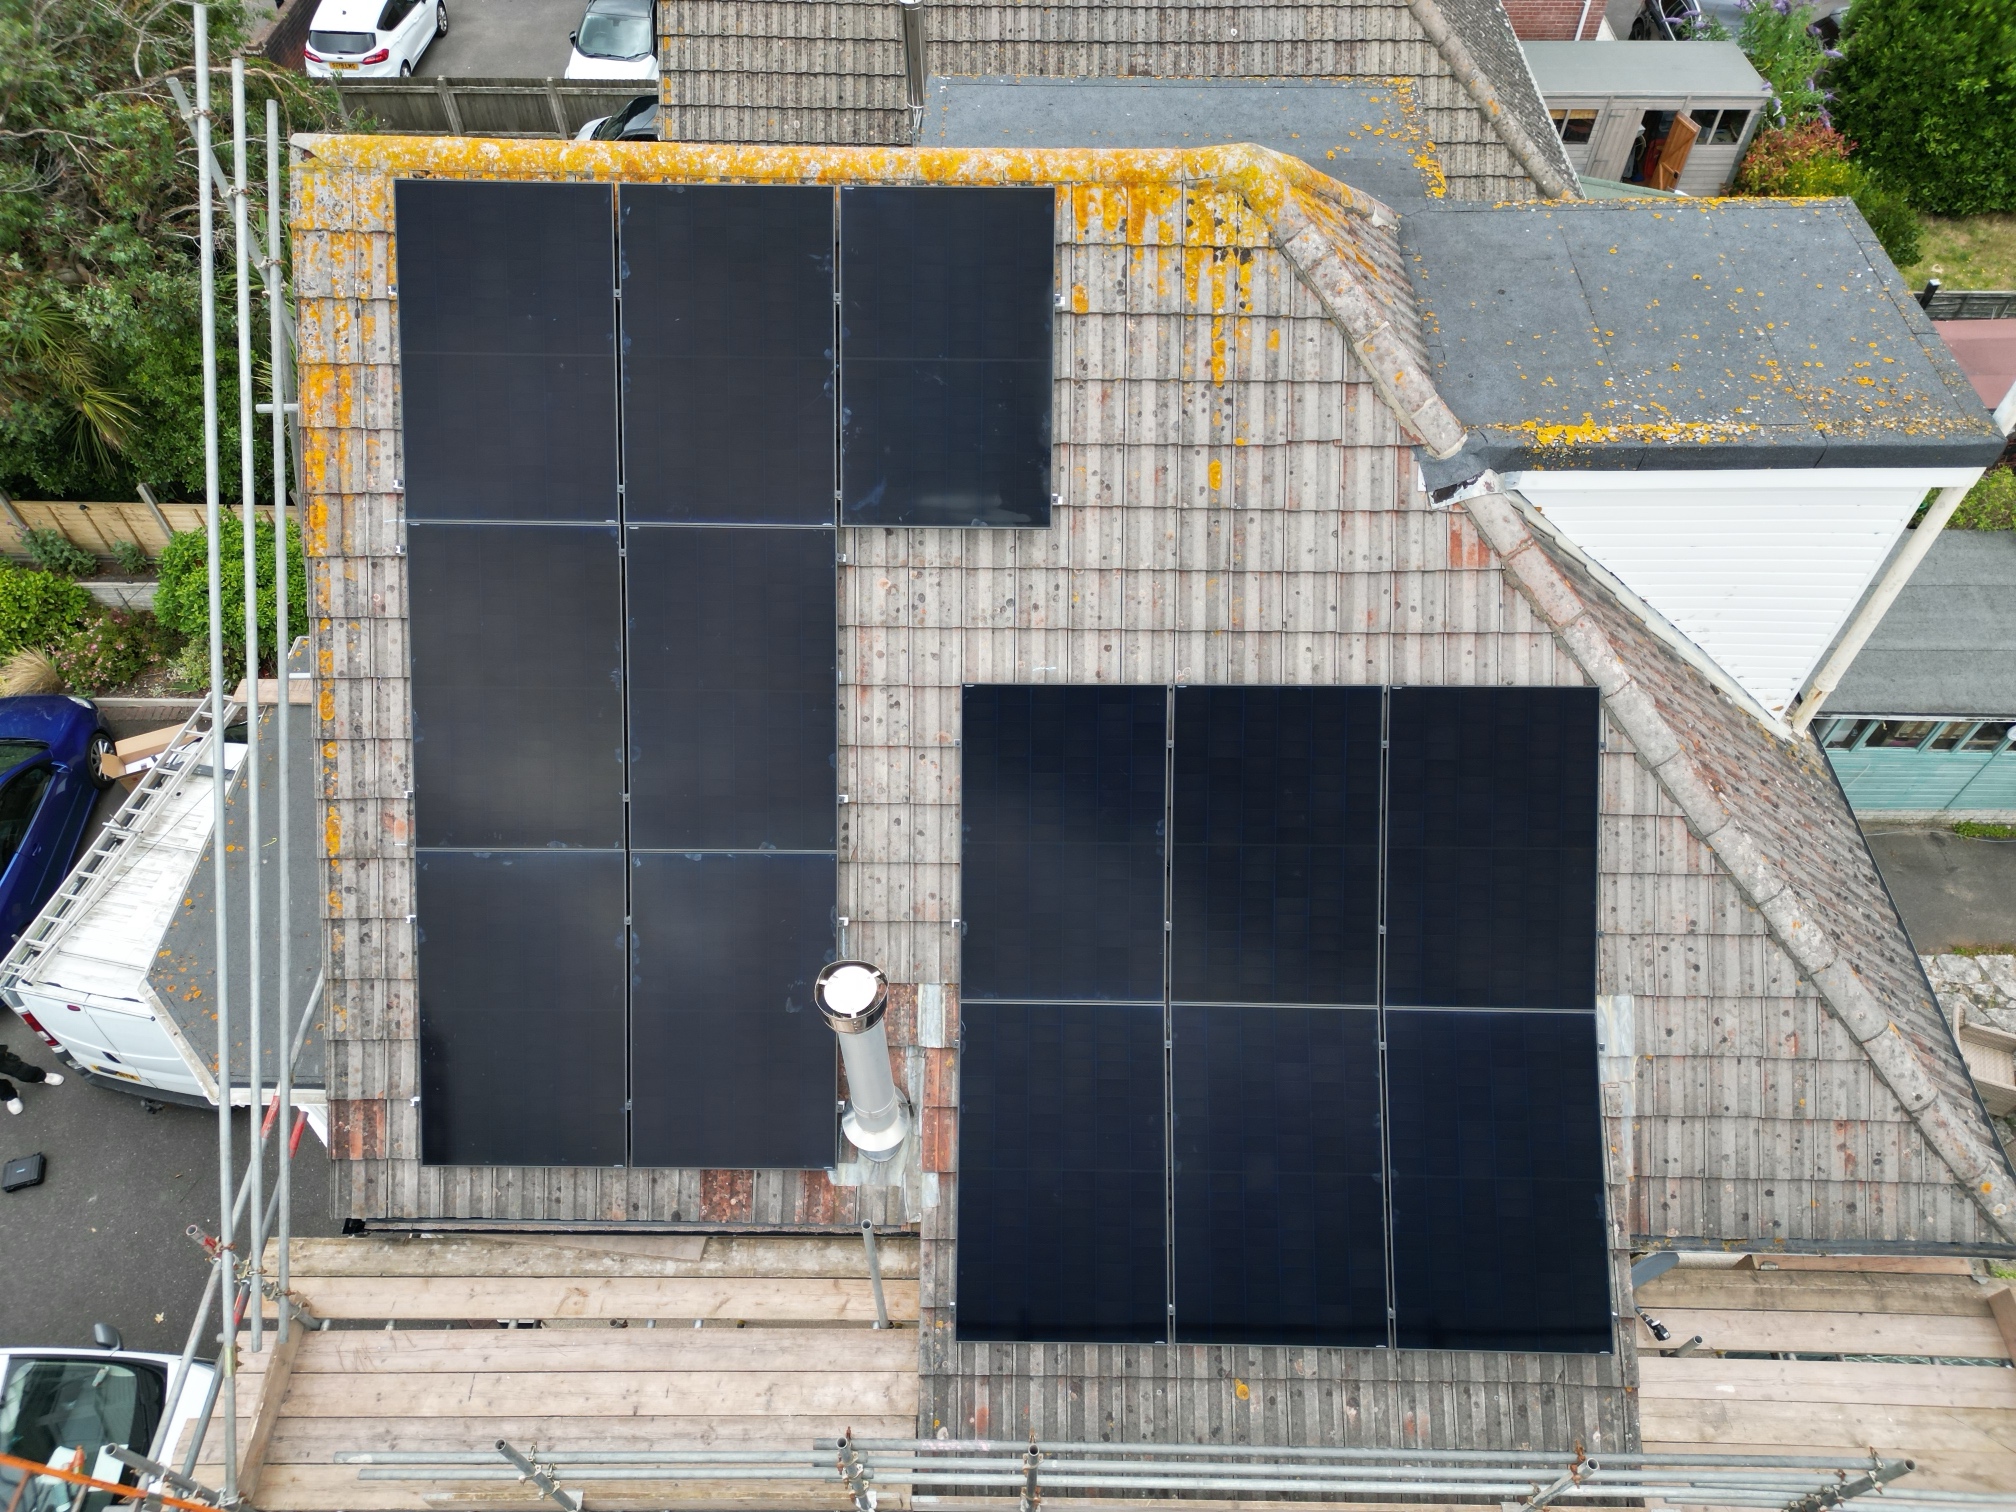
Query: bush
pixel 111 648
pixel 53 551
pixel 1928 88
pixel 132 557
pixel 182 599
pixel 1813 159
pixel 37 608
pixel 1775 36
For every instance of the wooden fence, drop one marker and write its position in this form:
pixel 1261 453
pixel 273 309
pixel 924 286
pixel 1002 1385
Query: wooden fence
pixel 98 525
pixel 487 107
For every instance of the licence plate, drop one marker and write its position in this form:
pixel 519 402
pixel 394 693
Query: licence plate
pixel 342 65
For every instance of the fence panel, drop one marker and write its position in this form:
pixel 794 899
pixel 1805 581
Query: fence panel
pixel 97 525
pixel 487 107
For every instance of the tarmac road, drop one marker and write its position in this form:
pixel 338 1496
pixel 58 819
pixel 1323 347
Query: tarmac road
pixel 503 39
pixel 1951 891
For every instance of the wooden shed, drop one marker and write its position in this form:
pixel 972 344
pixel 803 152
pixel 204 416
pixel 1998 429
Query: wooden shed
pixel 1618 105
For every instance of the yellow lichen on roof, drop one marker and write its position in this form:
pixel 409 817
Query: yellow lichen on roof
pixel 1590 431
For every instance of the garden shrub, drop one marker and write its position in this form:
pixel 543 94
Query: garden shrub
pixel 1775 38
pixel 111 648
pixel 132 557
pixel 37 608
pixel 1813 159
pixel 1928 89
pixel 182 598
pixel 53 551
pixel 1989 505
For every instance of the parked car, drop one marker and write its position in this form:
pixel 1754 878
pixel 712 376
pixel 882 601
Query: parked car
pixel 65 1407
pixel 614 41
pixel 635 122
pixel 372 39
pixel 52 769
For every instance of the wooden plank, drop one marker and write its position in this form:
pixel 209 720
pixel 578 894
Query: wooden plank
pixel 316 1488
pixel 1949 1471
pixel 423 1351
pixel 1815 1291
pixel 317 1440
pixel 1895 1265
pixel 753 1299
pixel 515 1255
pixel 274 1380
pixel 1848 1381
pixel 1834 1333
pixel 2002 1307
pixel 1822 1426
pixel 611 1394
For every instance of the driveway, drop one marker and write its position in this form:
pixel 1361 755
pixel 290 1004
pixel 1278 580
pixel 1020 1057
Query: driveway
pixel 1951 891
pixel 503 39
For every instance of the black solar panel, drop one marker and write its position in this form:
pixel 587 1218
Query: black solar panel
pixel 1280 1226
pixel 1062 872
pixel 516 646
pixel 728 352
pixel 521 1007
pixel 732 696
pixel 1491 848
pixel 507 338
pixel 731 1065
pixel 1062 1214
pixel 1275 866
pixel 947 303
pixel 1497 1151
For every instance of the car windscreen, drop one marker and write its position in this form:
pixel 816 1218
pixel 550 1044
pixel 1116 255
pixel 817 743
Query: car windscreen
pixel 604 36
pixel 18 802
pixel 326 43
pixel 638 114
pixel 50 1409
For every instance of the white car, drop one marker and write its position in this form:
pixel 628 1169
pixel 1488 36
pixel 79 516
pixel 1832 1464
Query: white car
pixel 372 39
pixel 65 1407
pixel 614 41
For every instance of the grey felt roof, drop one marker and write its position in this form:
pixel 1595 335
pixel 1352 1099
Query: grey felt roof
pixel 1666 69
pixel 1948 645
pixel 1359 131
pixel 1620 334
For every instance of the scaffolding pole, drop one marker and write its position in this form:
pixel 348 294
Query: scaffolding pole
pixel 283 1081
pixel 206 171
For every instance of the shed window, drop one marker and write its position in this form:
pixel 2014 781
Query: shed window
pixel 1721 128
pixel 1900 734
pixel 1952 734
pixel 1991 736
pixel 1844 733
pixel 1574 126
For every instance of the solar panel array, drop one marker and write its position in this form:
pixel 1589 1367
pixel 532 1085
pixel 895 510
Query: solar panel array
pixel 1278 1018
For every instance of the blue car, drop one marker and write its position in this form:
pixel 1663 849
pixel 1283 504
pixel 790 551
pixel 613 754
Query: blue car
pixel 52 769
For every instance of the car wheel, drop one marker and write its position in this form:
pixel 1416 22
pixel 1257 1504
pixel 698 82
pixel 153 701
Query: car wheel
pixel 406 69
pixel 94 759
pixel 440 20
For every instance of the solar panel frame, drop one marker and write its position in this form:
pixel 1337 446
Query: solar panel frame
pixel 506 301
pixel 947 298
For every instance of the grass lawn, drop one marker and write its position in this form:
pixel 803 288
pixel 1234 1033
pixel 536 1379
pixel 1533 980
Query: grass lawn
pixel 1977 252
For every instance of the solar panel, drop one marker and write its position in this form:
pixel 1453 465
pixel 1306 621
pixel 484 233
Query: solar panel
pixel 516 646
pixel 1061 1173
pixel 947 301
pixel 731 1065
pixel 507 340
pixel 1279 1213
pixel 1491 848
pixel 727 352
pixel 521 1007
pixel 1275 862
pixel 1498 1229
pixel 732 695
pixel 1062 870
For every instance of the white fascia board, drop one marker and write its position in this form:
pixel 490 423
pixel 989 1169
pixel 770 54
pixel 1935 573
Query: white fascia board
pixel 1760 569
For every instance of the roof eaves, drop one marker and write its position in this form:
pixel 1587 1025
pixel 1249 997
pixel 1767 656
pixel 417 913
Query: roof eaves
pixel 1546 163
pixel 1909 1058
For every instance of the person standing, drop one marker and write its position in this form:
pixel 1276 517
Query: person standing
pixel 11 1065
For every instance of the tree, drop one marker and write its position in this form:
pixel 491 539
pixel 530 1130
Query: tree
pixel 100 353
pixel 1777 38
pixel 1927 89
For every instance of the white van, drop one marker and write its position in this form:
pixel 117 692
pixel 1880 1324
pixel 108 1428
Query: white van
pixel 372 39
pixel 66 1407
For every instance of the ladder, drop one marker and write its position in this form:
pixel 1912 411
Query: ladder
pixel 101 864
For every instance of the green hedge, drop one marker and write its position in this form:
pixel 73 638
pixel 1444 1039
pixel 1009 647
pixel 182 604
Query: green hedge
pixel 182 599
pixel 37 608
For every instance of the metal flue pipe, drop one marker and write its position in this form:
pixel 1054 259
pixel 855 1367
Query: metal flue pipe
pixel 853 996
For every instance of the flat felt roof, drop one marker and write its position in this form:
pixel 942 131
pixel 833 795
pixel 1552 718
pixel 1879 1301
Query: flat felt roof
pixel 1623 334
pixel 1665 70
pixel 1368 135
pixel 1948 645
